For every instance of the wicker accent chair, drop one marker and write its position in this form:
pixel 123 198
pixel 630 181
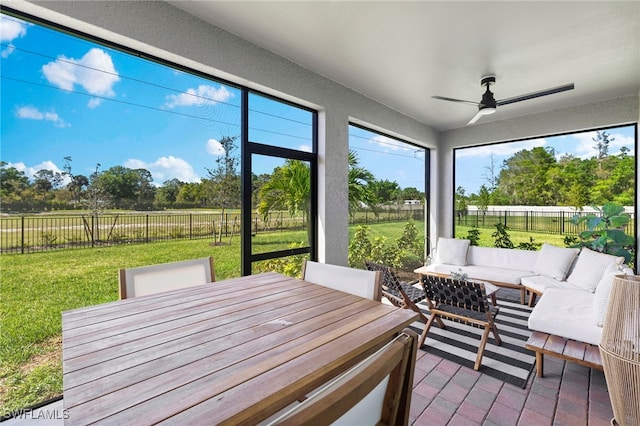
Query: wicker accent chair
pixel 464 302
pixel 402 295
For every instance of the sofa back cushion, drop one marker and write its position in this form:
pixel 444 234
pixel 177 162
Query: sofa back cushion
pixel 603 291
pixel 522 260
pixel 452 251
pixel 554 262
pixel 590 268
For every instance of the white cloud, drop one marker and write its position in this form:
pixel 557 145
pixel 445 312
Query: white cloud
pixel 203 95
pixel 94 103
pixel 166 168
pixel 586 144
pixel 30 171
pixel 502 149
pixel 305 148
pixel 11 29
pixel 214 147
pixel 33 113
pixel 95 72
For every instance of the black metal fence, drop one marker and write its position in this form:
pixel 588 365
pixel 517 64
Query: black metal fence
pixel 548 222
pixel 27 234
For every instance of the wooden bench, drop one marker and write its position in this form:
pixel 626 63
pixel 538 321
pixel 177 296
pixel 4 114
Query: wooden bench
pixel 560 347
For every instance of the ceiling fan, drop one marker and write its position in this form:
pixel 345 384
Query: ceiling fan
pixel 488 104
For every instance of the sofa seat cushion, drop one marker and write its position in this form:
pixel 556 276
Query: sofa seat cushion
pixel 566 313
pixel 502 275
pixel 540 283
pixel 520 260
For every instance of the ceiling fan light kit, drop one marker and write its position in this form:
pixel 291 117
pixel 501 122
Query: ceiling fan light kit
pixel 488 105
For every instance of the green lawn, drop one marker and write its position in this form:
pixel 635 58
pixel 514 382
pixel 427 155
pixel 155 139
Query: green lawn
pixel 37 287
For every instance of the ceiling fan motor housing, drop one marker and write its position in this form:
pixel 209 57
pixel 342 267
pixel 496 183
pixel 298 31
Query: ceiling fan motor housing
pixel 488 101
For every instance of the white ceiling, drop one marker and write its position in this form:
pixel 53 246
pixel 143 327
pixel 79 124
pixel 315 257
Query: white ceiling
pixel 400 53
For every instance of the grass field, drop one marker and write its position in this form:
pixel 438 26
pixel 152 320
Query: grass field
pixel 37 287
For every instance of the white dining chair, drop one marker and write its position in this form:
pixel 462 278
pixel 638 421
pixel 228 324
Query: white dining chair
pixel 376 391
pixel 359 282
pixel 152 279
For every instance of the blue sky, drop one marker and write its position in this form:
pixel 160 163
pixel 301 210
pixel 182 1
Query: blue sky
pixel 63 96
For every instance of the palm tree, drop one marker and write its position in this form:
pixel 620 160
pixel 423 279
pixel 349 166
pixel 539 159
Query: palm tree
pixel 289 188
pixel 360 190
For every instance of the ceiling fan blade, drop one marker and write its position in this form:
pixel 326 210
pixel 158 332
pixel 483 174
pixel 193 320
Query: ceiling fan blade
pixel 456 100
pixel 475 118
pixel 537 94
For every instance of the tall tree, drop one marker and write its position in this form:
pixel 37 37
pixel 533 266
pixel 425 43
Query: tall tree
pixel 602 141
pixel 483 199
pixel 460 202
pixel 127 188
pixel 491 173
pixel 44 181
pixel 167 194
pixel 524 177
pixel 386 191
pixel 13 182
pixel 78 183
pixel 224 188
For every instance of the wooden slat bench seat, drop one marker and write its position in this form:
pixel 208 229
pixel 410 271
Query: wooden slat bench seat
pixel 560 347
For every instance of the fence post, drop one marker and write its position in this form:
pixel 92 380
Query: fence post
pixel 190 226
pixel 562 222
pixel 526 220
pixel 146 227
pixel 93 230
pixel 22 236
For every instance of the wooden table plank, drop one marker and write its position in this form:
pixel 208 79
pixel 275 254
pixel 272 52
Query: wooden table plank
pixel 153 360
pixel 172 361
pixel 242 353
pixel 188 302
pixel 217 311
pixel 303 373
pixel 128 355
pixel 106 311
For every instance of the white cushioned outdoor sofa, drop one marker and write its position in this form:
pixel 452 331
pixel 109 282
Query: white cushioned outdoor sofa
pixel 574 284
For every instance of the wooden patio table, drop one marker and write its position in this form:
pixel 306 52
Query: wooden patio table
pixel 229 352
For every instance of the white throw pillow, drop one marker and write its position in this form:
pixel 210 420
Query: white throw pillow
pixel 590 268
pixel 554 262
pixel 452 251
pixel 603 291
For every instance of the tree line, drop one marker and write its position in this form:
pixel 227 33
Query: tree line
pixel 538 177
pixel 119 187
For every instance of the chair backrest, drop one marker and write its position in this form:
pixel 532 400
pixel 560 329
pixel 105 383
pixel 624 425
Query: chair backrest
pixel 465 294
pixel 152 279
pixel 389 278
pixel 355 281
pixel 377 391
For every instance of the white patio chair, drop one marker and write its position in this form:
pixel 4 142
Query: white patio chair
pixel 377 391
pixel 355 281
pixel 152 279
